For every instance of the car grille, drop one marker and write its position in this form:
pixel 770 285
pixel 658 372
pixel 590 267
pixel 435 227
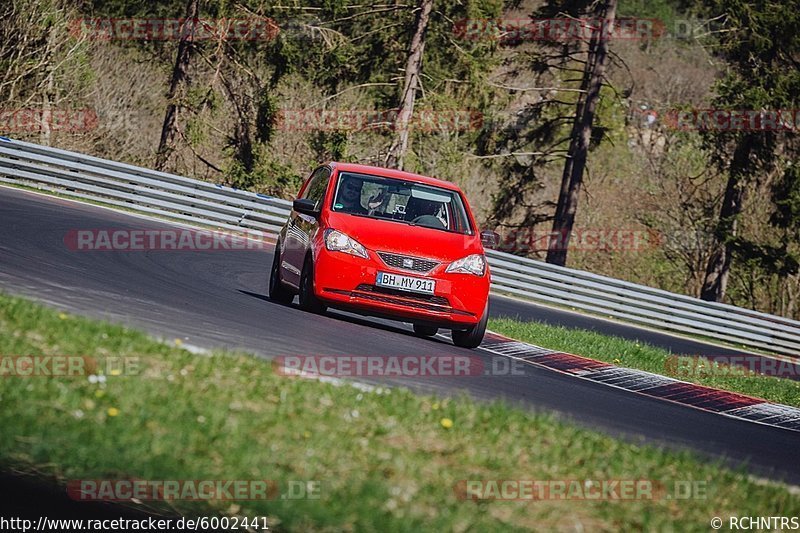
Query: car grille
pixel 415 301
pixel 435 300
pixel 406 262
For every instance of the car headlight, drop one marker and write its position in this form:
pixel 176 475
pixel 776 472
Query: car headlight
pixel 472 264
pixel 336 241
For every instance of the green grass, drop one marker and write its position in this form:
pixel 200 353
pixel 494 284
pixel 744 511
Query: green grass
pixel 632 354
pixel 384 461
pixel 605 316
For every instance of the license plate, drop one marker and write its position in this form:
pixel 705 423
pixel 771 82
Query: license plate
pixel 405 283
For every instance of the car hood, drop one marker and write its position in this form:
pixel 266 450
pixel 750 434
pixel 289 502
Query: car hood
pixel 389 236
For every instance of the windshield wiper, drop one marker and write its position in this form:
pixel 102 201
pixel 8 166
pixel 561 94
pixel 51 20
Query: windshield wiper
pixel 407 222
pixel 412 223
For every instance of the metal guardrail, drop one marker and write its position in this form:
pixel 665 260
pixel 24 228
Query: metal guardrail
pixel 189 200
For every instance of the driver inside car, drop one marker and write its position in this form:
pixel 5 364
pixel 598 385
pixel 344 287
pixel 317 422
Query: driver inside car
pixel 423 212
pixel 350 198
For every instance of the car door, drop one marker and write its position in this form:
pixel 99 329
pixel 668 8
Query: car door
pixel 301 227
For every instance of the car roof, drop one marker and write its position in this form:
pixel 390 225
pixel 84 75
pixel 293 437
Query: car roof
pixel 392 173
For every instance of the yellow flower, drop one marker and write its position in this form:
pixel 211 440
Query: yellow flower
pixel 435 406
pixel 306 434
pixel 99 393
pixel 617 361
pixel 446 423
pixel 63 316
pixel 178 342
pixel 115 372
pixel 113 411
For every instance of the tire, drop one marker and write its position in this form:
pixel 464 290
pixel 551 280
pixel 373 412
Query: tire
pixel 425 331
pixel 308 300
pixel 472 337
pixel 278 292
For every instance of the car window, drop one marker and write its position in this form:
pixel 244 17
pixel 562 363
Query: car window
pixel 402 201
pixel 317 186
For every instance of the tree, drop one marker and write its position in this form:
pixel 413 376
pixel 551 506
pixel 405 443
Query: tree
pixel 178 81
pixel 226 95
pixel 398 149
pixel 761 47
pixel 42 59
pixel 557 123
pixel 359 48
pixel 572 178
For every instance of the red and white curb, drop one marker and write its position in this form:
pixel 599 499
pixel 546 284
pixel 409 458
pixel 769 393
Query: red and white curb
pixel 731 404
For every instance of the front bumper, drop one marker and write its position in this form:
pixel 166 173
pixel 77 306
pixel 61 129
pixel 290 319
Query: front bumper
pixel 343 280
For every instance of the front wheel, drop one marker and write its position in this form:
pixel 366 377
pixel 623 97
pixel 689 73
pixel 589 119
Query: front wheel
pixel 278 292
pixel 472 337
pixel 308 300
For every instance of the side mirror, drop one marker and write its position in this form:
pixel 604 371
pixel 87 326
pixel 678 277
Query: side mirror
pixel 490 239
pixel 305 206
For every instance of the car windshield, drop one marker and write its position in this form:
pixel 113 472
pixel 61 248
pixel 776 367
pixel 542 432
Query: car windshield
pixel 401 201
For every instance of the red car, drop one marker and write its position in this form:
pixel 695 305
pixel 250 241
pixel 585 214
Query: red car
pixel 385 243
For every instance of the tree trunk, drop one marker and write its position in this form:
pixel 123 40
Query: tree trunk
pixel 169 131
pixel 47 108
pixel 397 152
pixel 572 177
pixel 49 92
pixel 719 264
pixel 242 90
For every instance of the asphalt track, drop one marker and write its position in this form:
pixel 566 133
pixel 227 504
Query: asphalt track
pixel 216 299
